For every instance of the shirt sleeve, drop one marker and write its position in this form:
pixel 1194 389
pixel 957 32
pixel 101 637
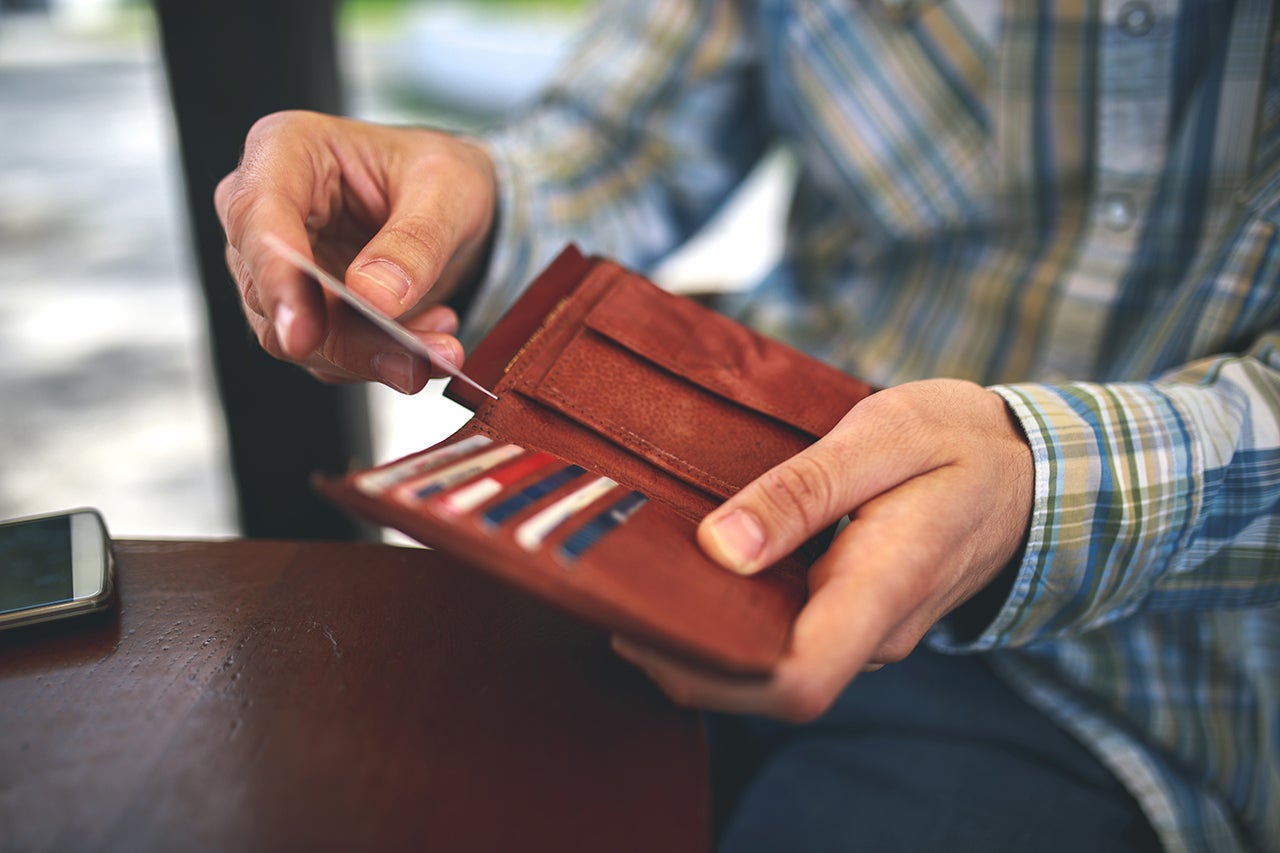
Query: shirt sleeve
pixel 1155 496
pixel 642 134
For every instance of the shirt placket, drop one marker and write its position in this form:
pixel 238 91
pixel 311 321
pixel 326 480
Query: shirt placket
pixel 1132 120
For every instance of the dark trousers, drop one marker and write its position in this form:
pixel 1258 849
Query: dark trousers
pixel 933 753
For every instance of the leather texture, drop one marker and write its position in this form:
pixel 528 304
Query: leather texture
pixel 602 369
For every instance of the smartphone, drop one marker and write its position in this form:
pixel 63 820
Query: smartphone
pixel 54 566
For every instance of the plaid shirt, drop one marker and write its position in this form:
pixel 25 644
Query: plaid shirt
pixel 1061 200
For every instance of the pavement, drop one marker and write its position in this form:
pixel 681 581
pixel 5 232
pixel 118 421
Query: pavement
pixel 106 397
pixel 106 393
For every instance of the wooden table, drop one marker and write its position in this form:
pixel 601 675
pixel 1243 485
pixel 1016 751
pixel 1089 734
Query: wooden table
pixel 270 695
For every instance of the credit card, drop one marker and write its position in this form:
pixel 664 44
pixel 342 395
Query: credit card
pixel 377 481
pixel 590 533
pixel 468 497
pixel 436 481
pixel 529 535
pixel 398 333
pixel 521 501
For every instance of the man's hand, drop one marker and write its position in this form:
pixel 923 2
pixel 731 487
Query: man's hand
pixel 403 215
pixel 937 479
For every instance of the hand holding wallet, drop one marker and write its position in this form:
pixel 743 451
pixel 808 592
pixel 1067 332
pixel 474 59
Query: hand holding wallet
pixel 624 414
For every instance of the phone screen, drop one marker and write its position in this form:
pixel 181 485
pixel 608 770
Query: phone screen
pixel 36 563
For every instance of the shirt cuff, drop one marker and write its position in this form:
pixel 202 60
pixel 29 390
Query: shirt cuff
pixel 1115 498
pixel 511 261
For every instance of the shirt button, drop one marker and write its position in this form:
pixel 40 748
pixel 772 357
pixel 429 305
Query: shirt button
pixel 1136 18
pixel 1117 212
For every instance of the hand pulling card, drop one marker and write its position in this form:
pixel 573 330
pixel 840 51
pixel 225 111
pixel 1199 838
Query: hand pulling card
pixel 623 415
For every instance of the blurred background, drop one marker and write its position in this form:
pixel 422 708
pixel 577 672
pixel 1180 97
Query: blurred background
pixel 109 392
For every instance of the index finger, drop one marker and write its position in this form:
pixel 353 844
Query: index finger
pixel 289 300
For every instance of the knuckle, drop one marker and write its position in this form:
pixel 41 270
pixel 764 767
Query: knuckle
pixel 250 300
pixel 424 236
pixel 803 703
pixel 253 300
pixel 239 269
pixel 802 489
pixel 902 411
pixel 929 418
pixel 243 189
pixel 237 207
pixel 335 350
pixel 267 340
pixel 221 195
pixel 898 647
pixel 273 123
pixel 263 331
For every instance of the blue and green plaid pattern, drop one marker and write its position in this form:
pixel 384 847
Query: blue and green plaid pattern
pixel 1061 199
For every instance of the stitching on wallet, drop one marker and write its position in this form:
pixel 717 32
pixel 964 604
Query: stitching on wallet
pixel 533 342
pixel 537 342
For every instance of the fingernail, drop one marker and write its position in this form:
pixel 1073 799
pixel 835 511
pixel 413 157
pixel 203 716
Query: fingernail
pixel 394 369
pixel 284 322
pixel 737 539
pixel 387 275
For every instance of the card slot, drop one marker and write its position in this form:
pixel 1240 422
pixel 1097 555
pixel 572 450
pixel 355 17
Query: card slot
pixel 620 575
pixel 676 425
pixel 417 489
pixel 468 496
pixel 510 508
pixel 558 516
pixel 378 480
pixel 534 423
pixel 567 508
pixel 608 520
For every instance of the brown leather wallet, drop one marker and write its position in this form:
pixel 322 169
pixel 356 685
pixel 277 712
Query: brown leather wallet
pixel 624 415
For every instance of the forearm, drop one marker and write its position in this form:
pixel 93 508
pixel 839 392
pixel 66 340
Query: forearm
pixel 638 140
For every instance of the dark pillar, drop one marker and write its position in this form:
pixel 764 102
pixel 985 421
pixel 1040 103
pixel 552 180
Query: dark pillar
pixel 230 62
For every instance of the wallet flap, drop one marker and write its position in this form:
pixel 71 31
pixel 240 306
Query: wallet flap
pixel 710 350
pixel 678 386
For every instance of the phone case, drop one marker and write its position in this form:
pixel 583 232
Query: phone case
pixel 98 602
pixel 624 415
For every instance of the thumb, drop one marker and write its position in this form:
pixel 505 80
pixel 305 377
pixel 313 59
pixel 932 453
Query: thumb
pixel 400 264
pixel 442 199
pixel 780 510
